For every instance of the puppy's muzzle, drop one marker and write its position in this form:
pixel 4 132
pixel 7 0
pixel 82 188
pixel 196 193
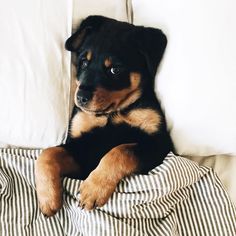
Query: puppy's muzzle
pixel 83 97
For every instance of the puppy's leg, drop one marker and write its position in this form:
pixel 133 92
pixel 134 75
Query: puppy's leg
pixel 101 183
pixel 50 166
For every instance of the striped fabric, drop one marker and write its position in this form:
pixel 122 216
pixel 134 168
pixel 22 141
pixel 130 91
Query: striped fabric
pixel 175 199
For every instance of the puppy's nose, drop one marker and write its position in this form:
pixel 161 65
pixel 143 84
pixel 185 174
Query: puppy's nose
pixel 83 97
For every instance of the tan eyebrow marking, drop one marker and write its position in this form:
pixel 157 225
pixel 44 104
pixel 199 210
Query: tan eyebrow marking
pixel 108 62
pixel 89 55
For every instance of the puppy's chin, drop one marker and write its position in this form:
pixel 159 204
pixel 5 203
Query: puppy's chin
pixel 96 110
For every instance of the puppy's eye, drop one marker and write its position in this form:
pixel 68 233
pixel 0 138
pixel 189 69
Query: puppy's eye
pixel 115 70
pixel 84 63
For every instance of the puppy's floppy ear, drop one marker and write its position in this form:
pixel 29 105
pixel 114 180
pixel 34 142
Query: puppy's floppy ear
pixel 91 23
pixel 152 43
pixel 75 41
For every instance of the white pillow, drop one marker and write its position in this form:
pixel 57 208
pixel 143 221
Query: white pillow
pixel 197 80
pixel 34 72
pixel 35 69
pixel 117 9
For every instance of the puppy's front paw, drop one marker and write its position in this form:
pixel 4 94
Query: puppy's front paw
pixel 96 190
pixel 49 190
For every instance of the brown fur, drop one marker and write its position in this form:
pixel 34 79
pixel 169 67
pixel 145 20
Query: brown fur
pixel 101 183
pixel 145 119
pixel 84 122
pixel 52 164
pixel 135 91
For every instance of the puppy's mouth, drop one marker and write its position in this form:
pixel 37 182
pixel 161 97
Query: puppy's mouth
pixel 105 111
pixel 98 105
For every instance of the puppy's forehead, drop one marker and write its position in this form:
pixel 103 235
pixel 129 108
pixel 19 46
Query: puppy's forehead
pixel 107 58
pixel 109 39
pixel 111 48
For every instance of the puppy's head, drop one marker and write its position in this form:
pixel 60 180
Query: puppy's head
pixel 116 63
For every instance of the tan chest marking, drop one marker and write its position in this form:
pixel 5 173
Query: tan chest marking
pixel 83 123
pixel 145 119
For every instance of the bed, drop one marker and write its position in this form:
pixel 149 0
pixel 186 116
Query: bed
pixel 192 192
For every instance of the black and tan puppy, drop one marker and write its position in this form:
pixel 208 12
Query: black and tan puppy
pixel 117 127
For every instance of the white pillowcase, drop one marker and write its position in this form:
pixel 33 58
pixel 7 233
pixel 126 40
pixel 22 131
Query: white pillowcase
pixel 35 69
pixel 34 72
pixel 117 9
pixel 197 80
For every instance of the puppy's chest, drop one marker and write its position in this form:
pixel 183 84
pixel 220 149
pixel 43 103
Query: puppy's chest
pixel 146 120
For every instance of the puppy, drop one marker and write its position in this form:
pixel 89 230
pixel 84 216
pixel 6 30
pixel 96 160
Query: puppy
pixel 117 127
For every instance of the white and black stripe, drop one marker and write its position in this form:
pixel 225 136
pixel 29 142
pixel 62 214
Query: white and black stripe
pixel 177 198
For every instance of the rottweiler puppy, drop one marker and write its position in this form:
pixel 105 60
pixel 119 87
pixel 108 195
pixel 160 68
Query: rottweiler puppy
pixel 117 127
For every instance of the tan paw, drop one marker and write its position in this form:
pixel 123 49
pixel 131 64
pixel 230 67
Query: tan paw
pixel 49 206
pixel 95 190
pixel 49 190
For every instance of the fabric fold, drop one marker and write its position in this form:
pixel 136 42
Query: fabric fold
pixel 178 197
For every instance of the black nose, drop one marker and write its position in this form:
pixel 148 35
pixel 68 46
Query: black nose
pixel 83 97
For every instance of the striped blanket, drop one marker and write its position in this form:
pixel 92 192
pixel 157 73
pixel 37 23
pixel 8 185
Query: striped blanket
pixel 176 198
